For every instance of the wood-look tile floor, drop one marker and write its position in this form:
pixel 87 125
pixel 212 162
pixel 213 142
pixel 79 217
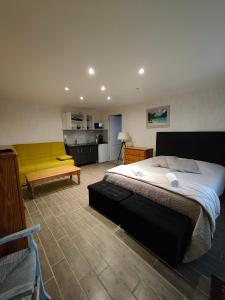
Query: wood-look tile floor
pixel 86 256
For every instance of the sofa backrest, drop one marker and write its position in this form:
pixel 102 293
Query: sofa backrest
pixel 39 152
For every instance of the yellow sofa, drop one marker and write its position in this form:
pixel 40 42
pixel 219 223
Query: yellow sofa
pixel 40 156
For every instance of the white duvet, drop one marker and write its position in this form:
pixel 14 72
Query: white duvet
pixel 204 188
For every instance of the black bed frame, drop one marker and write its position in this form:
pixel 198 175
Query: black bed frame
pixel 138 215
pixel 201 145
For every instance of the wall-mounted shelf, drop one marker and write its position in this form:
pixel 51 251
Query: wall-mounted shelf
pixel 77 121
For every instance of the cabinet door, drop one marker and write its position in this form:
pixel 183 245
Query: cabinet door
pixel 67 121
pixel 79 155
pixel 87 155
pixel 75 153
pixel 69 150
pixel 12 211
pixel 72 151
pixel 93 153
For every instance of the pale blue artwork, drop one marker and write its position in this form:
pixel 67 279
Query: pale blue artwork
pixel 158 117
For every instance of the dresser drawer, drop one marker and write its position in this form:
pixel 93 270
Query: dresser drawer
pixel 131 159
pixel 135 152
pixel 127 162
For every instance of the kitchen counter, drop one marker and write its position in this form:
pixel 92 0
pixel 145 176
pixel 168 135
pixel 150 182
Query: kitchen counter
pixel 82 144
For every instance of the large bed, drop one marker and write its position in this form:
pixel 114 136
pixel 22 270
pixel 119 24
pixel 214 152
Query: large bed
pixel 197 195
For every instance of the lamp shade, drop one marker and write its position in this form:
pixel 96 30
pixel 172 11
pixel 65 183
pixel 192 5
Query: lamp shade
pixel 123 136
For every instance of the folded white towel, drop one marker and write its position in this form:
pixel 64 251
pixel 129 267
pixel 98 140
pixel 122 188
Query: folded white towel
pixel 172 178
pixel 137 172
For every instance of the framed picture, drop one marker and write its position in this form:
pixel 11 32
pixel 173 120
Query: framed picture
pixel 158 117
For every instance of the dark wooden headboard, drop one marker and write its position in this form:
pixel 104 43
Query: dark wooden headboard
pixel 201 145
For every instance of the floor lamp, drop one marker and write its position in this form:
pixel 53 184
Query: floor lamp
pixel 123 137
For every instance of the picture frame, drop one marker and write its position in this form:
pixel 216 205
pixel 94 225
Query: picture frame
pixel 158 117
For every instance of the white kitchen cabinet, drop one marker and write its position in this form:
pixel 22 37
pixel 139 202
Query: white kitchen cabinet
pixel 77 121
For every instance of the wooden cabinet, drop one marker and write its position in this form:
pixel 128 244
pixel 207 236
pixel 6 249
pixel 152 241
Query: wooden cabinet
pixel 134 154
pixel 12 212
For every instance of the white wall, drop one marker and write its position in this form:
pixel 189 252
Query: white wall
pixel 29 123
pixel 203 111
pixel 33 123
pixel 25 122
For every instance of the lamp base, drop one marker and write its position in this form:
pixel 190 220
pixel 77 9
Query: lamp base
pixel 123 144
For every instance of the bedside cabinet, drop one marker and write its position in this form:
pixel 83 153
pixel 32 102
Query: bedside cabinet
pixel 134 154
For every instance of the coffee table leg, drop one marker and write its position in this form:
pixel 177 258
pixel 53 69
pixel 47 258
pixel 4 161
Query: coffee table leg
pixel 71 177
pixel 78 176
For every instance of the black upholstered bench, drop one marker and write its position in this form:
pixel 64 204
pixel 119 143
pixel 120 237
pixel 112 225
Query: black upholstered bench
pixel 161 229
pixel 105 197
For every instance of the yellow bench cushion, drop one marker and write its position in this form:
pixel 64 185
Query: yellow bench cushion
pixel 33 157
pixel 64 157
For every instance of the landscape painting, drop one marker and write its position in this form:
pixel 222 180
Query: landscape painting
pixel 158 117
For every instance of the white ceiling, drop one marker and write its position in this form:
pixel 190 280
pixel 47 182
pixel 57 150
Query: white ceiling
pixel 46 45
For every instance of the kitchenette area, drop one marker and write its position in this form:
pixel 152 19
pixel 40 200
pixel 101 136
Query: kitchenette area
pixel 85 139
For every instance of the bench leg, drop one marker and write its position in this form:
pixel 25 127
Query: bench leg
pixel 78 177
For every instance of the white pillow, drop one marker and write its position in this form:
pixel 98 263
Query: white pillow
pixel 159 161
pixel 182 164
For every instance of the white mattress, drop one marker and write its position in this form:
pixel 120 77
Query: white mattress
pixel 212 175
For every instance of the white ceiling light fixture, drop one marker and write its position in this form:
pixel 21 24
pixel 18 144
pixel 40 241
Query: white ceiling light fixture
pixel 66 88
pixel 81 98
pixel 141 71
pixel 91 71
pixel 103 88
pixel 108 98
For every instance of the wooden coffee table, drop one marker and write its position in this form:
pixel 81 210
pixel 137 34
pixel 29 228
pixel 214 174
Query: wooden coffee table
pixel 37 177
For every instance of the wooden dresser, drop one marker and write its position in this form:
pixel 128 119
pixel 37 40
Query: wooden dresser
pixel 134 154
pixel 12 214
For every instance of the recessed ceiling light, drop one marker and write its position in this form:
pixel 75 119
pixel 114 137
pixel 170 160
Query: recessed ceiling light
pixel 108 98
pixel 103 88
pixel 66 88
pixel 141 71
pixel 91 71
pixel 81 98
